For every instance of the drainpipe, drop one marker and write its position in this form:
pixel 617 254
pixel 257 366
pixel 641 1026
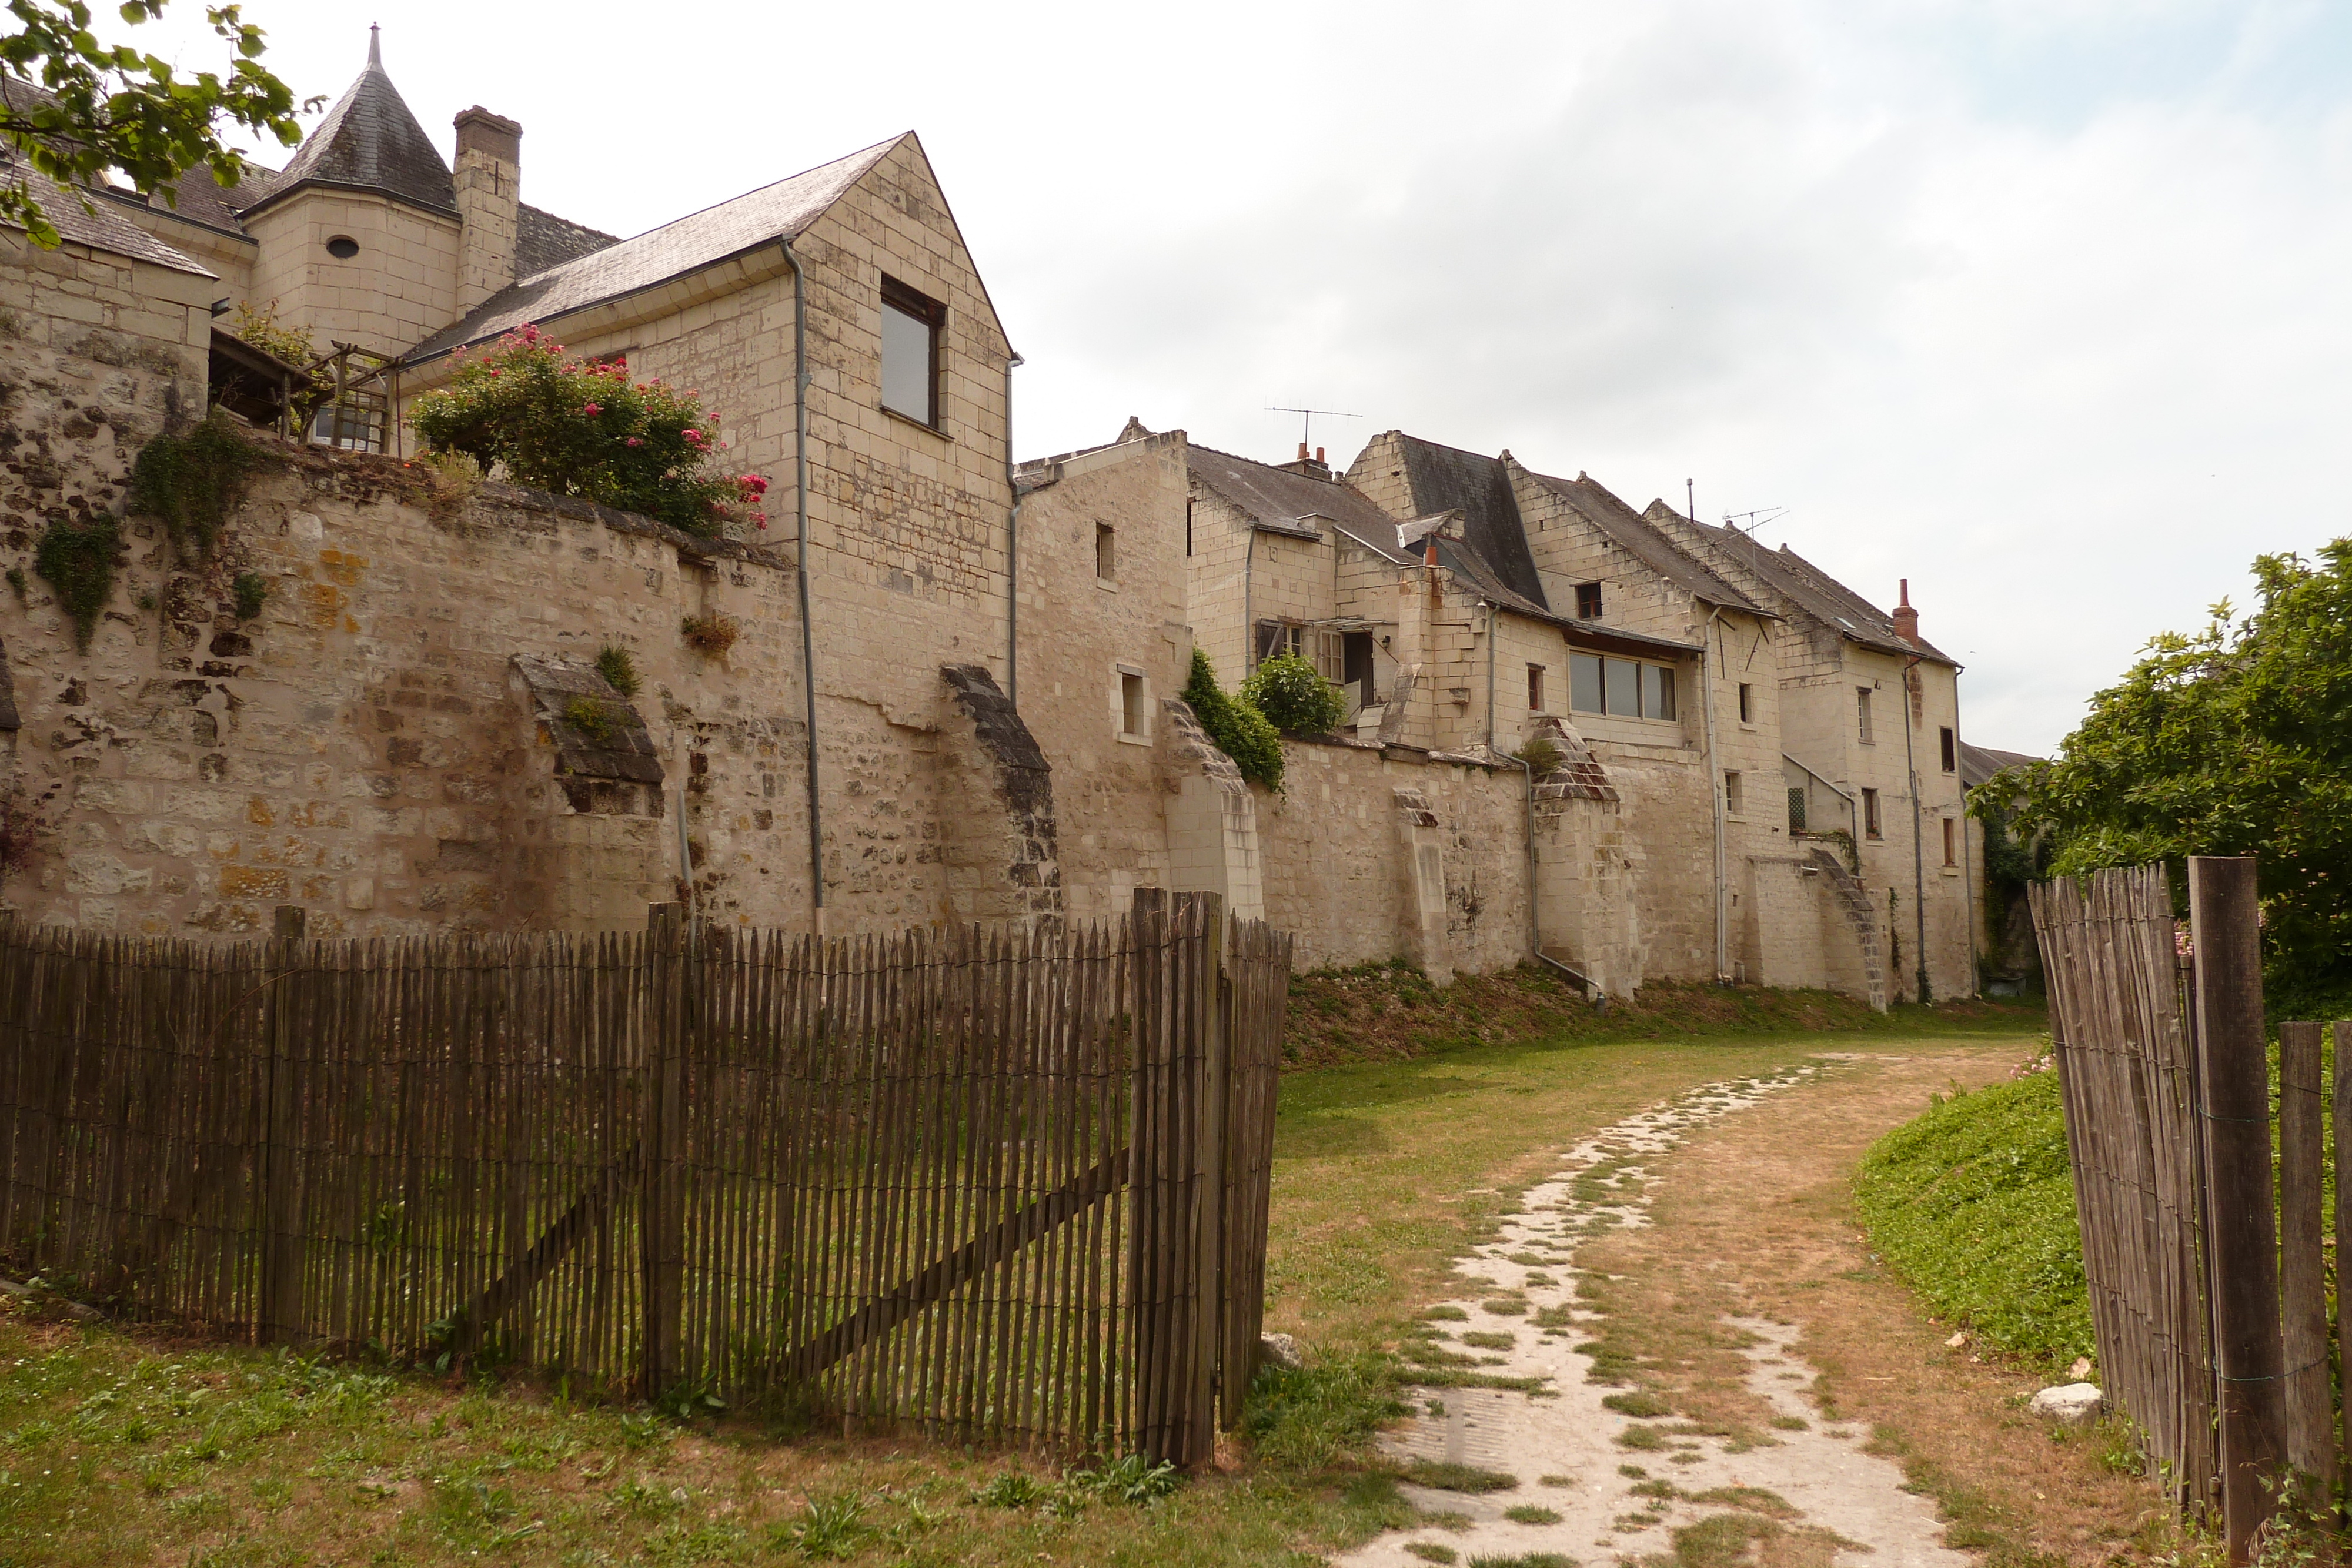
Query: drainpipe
pixel 1535 926
pixel 1714 786
pixel 1249 627
pixel 1967 871
pixel 1918 849
pixel 1490 692
pixel 1012 550
pixel 801 572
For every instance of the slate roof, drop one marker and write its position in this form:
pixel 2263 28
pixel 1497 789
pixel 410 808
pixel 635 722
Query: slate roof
pixel 101 228
pixel 747 223
pixel 370 140
pixel 1819 595
pixel 1448 479
pixel 1277 498
pixel 544 240
pixel 1978 763
pixel 1646 541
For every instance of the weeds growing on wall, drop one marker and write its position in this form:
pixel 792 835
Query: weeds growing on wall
pixel 1240 731
pixel 709 635
pixel 263 329
pixel 17 585
pixel 250 590
pixel 191 482
pixel 619 670
pixel 1294 696
pixel 590 717
pixel 20 827
pixel 78 559
pixel 1543 756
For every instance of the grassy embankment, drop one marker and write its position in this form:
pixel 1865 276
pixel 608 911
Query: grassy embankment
pixel 1973 1205
pixel 120 1446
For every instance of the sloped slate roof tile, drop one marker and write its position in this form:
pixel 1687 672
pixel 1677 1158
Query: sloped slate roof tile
pixel 1279 499
pixel 1645 542
pixel 102 228
pixel 370 141
pixel 1448 479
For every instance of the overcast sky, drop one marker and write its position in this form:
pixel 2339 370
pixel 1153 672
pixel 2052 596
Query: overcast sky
pixel 2042 304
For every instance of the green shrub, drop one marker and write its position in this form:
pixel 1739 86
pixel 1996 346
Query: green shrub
pixel 1239 730
pixel 619 670
pixel 1542 755
pixel 191 482
pixel 77 560
pixel 1294 699
pixel 565 424
pixel 1307 1417
pixel 590 717
pixel 1973 1204
pixel 250 590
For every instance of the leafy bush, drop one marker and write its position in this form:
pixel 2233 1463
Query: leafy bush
pixel 1240 731
pixel 77 560
pixel 263 329
pixel 1973 1204
pixel 710 635
pixel 1542 755
pixel 576 428
pixel 191 481
pixel 619 670
pixel 1294 699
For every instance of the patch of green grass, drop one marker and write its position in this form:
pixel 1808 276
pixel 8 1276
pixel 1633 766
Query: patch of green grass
pixel 1310 1416
pixel 1431 1551
pixel 1441 1476
pixel 1791 1423
pixel 1531 1513
pixel 1504 1306
pixel 1643 1439
pixel 1640 1402
pixel 1525 1559
pixel 1485 1340
pixel 1973 1204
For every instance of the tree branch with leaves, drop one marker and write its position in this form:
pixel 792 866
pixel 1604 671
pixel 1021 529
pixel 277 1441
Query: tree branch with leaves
pixel 107 108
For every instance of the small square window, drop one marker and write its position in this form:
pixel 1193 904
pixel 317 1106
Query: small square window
pixel 1588 601
pixel 911 352
pixel 1870 814
pixel 1862 712
pixel 1535 688
pixel 1734 799
pixel 1746 703
pixel 1130 703
pixel 1951 751
pixel 1105 552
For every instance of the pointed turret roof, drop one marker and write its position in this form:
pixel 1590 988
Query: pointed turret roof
pixel 370 142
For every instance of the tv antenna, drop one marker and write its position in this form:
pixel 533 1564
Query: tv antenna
pixel 1755 520
pixel 1308 416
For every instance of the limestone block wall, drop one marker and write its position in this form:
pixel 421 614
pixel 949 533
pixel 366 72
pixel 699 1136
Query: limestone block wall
pixel 398 290
pixel 97 352
pixel 1085 636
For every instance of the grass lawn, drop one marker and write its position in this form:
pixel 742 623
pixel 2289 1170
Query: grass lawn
pixel 127 1447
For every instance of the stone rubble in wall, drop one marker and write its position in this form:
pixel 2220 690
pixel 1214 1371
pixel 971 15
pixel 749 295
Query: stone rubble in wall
pixel 1567 1433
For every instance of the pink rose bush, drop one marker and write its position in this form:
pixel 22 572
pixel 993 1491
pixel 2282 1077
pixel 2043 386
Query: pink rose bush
pixel 582 428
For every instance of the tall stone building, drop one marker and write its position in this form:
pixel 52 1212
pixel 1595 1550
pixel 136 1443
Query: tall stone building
pixel 953 693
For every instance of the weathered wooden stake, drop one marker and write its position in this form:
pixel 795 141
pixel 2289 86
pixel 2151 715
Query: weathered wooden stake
pixel 2241 1245
pixel 662 1239
pixel 2342 1032
pixel 2310 1403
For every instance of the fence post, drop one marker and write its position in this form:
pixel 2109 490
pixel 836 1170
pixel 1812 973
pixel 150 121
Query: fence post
pixel 279 1309
pixel 2343 1033
pixel 1214 1010
pixel 660 1240
pixel 2242 1241
pixel 2310 1402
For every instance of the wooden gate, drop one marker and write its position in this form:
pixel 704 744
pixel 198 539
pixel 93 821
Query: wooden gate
pixel 1004 1185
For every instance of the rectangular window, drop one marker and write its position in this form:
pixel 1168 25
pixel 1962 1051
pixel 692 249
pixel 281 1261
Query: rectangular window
pixel 1130 703
pixel 1588 601
pixel 1951 751
pixel 1746 703
pixel 1584 681
pixel 1733 799
pixel 1620 687
pixel 1331 656
pixel 1276 641
pixel 1862 712
pixel 1105 552
pixel 1870 814
pixel 911 352
pixel 1535 688
pixel 1657 692
pixel 1951 839
pixel 1797 811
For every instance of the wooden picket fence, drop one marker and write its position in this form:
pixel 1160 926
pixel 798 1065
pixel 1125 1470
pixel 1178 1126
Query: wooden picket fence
pixel 2208 1284
pixel 1004 1185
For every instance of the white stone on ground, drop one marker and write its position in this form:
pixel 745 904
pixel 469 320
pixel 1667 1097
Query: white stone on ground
pixel 2076 1404
pixel 1570 1434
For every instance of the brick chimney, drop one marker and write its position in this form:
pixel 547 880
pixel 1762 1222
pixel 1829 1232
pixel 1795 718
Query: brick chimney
pixel 1313 467
pixel 489 195
pixel 1906 620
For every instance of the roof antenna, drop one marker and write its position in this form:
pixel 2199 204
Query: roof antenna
pixel 375 47
pixel 1690 500
pixel 1307 419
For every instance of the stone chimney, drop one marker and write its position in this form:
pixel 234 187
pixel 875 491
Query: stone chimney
pixel 489 197
pixel 1906 620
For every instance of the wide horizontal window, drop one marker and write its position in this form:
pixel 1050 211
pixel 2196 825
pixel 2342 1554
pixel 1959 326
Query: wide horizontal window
pixel 1621 688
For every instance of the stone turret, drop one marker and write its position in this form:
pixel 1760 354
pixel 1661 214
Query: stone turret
pixel 489 201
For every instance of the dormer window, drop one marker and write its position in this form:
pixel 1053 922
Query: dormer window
pixel 1588 601
pixel 911 352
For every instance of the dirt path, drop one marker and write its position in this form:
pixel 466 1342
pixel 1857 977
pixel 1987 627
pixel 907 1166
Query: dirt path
pixel 1725 1373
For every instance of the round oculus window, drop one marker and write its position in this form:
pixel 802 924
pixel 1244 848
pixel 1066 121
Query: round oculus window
pixel 342 248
